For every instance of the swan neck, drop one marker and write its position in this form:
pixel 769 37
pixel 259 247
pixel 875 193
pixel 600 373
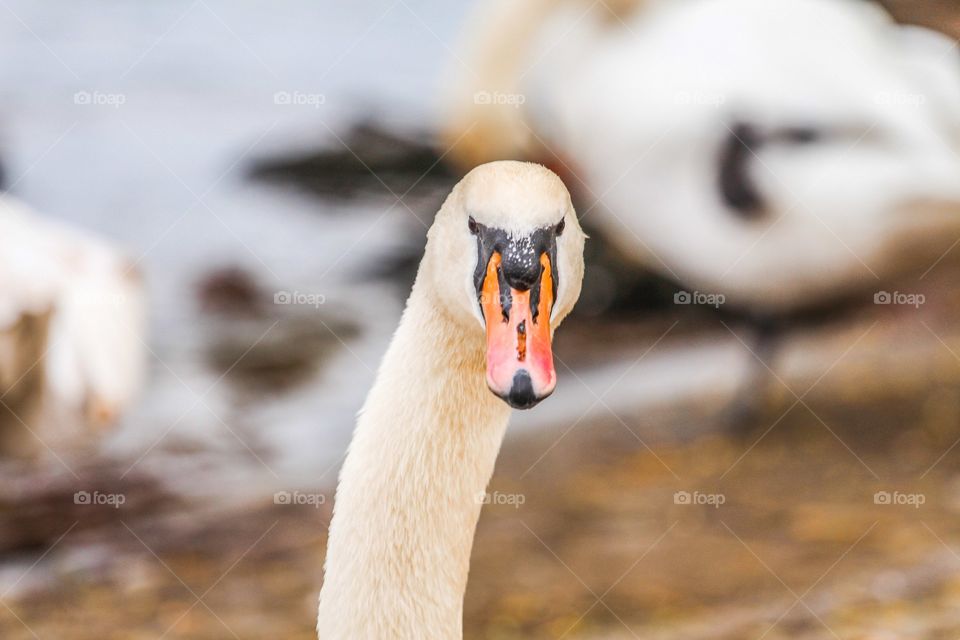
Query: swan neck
pixel 411 487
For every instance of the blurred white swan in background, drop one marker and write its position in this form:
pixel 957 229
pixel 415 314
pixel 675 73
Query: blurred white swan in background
pixel 780 152
pixel 72 318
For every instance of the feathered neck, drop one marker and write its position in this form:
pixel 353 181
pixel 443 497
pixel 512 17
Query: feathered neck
pixel 408 501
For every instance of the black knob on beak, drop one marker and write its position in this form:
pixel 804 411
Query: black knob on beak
pixel 521 394
pixel 521 268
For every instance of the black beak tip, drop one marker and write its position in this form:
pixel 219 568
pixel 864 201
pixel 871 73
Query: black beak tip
pixel 522 395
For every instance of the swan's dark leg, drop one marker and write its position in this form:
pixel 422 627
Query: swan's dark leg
pixel 742 415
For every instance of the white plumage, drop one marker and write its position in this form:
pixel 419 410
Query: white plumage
pixel 430 430
pixel 86 300
pixel 853 125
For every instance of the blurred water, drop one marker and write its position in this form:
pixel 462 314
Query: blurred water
pixel 137 120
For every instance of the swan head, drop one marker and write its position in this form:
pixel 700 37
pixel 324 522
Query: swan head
pixel 505 257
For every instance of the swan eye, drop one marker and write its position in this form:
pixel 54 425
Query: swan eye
pixel 473 226
pixel 561 226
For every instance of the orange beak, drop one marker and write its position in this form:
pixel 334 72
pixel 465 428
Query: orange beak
pixel 519 352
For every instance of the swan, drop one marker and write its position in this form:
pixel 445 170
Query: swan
pixel 71 329
pixel 781 153
pixel 502 268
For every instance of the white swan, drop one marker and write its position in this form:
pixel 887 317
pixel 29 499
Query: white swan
pixel 776 151
pixel 83 303
pixel 502 268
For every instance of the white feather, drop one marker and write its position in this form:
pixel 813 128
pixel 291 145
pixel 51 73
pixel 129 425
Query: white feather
pixel 94 356
pixel 639 107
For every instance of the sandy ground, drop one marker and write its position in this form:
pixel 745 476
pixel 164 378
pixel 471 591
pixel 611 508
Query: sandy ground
pixel 785 534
